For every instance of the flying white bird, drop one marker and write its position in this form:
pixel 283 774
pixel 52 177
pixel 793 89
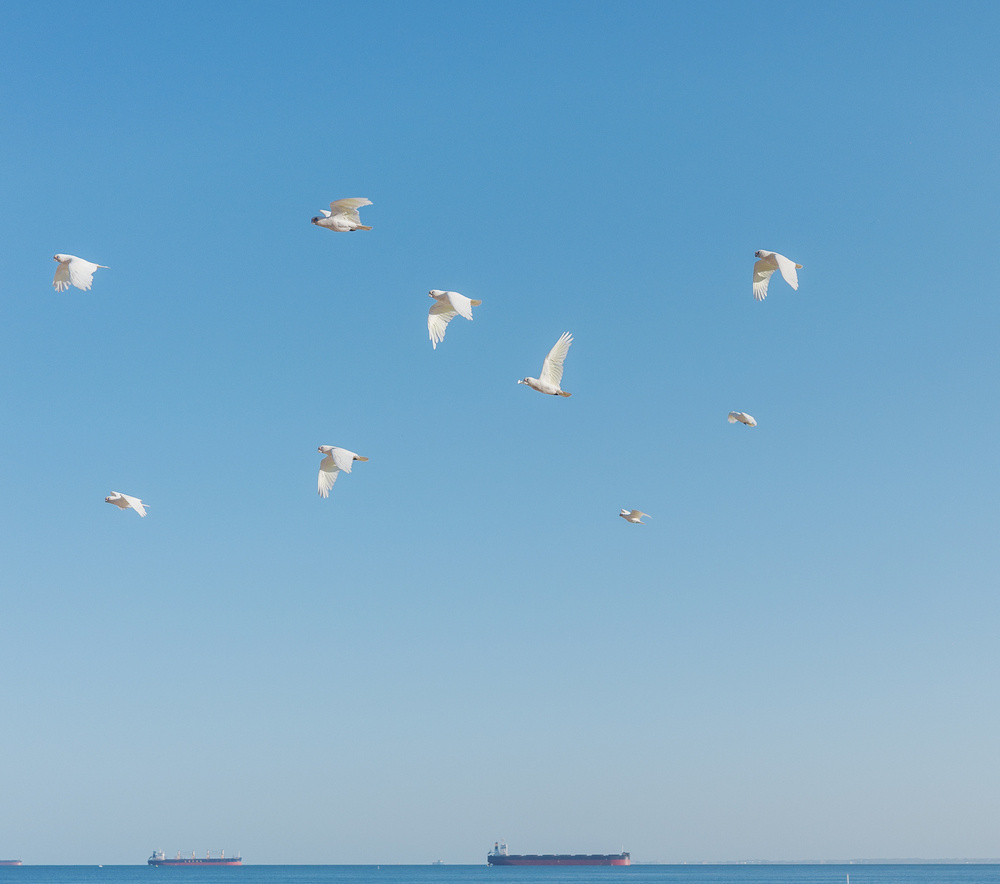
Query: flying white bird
pixel 768 263
pixel 75 271
pixel 742 417
pixel 552 369
pixel 123 501
pixel 448 306
pixel 635 516
pixel 336 460
pixel 343 215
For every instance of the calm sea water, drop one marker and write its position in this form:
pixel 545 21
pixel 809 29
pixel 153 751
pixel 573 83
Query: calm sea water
pixel 639 874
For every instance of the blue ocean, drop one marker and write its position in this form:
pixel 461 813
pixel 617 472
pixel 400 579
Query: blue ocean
pixel 966 873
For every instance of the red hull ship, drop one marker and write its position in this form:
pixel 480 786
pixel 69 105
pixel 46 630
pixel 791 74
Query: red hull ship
pixel 10 862
pixel 500 857
pixel 158 859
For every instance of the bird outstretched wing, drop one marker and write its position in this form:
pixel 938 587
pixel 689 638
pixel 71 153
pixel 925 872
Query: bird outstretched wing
pixel 762 271
pixel 349 207
pixel 328 471
pixel 136 504
pixel 81 273
pixel 343 458
pixel 461 304
pixel 438 317
pixel 552 367
pixel 788 268
pixel 60 282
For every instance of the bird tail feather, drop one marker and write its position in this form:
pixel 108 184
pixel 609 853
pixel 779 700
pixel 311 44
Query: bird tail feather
pixel 564 393
pixel 476 303
pixel 362 227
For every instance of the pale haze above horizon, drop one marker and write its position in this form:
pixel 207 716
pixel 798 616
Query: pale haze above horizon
pixel 796 658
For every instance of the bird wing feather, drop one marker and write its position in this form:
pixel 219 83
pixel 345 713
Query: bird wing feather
pixel 343 458
pixel 552 367
pixel 787 268
pixel 349 207
pixel 136 504
pixel 328 470
pixel 60 282
pixel 461 304
pixel 762 271
pixel 438 317
pixel 81 273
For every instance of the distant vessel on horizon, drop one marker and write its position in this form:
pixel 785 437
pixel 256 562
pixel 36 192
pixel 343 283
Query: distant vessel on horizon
pixel 10 862
pixel 500 857
pixel 159 859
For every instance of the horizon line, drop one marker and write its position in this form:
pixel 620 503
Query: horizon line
pixel 899 861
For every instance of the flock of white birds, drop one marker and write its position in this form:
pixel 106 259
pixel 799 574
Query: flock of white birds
pixel 343 217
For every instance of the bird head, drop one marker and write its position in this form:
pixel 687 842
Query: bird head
pixel 523 381
pixel 315 220
pixel 62 259
pixel 757 254
pixel 325 449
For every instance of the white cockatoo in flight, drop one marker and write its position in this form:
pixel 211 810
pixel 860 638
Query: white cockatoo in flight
pixel 343 215
pixel 73 271
pixel 768 263
pixel 124 501
pixel 336 460
pixel 448 305
pixel 634 516
pixel 552 369
pixel 742 417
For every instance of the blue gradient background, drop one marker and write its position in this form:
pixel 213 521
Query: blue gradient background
pixel 796 658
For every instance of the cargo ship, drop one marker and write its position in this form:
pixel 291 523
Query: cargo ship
pixel 500 857
pixel 158 859
pixel 10 862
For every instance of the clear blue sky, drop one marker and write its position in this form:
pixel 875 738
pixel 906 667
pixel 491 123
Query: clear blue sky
pixel 797 657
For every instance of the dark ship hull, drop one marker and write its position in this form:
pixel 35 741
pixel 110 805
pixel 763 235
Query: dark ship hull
pixel 559 859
